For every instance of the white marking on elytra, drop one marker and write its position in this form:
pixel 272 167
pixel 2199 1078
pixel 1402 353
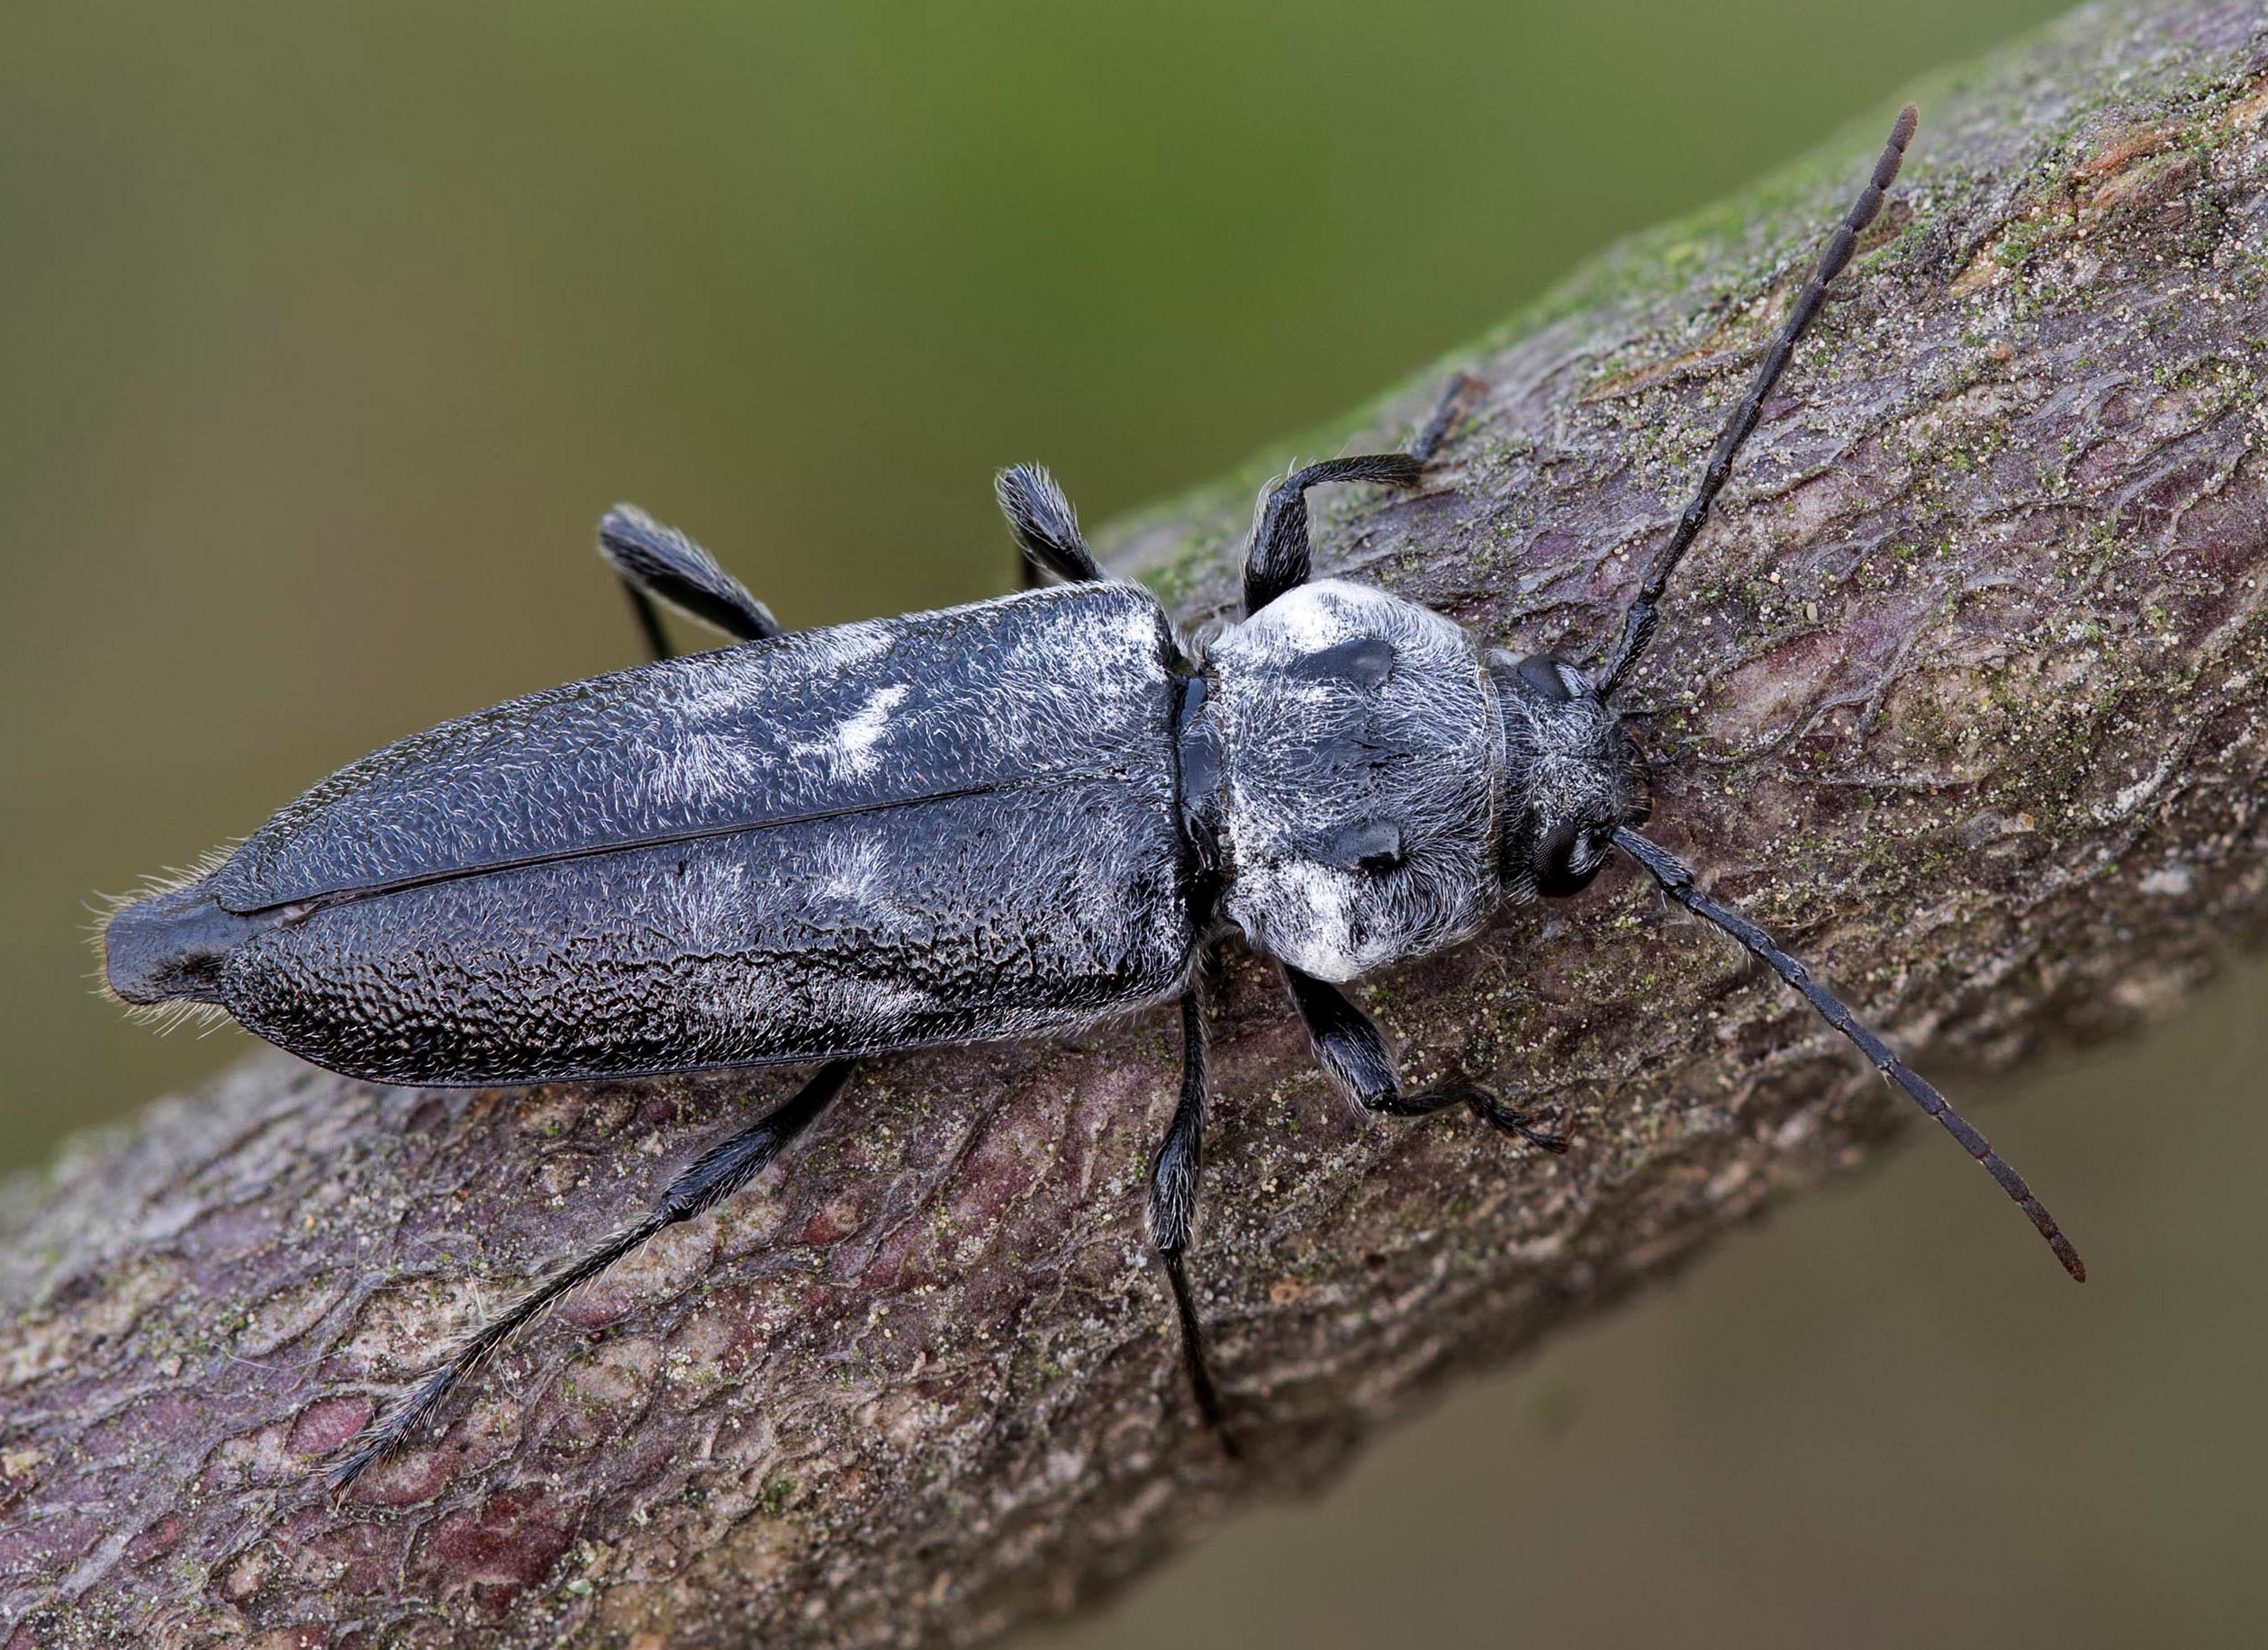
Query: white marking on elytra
pixel 852 752
pixel 697 768
pixel 855 873
pixel 704 901
pixel 1139 631
pixel 717 687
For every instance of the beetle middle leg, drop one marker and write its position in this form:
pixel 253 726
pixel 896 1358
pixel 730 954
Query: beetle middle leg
pixel 1279 557
pixel 1350 1047
pixel 658 564
pixel 1045 528
pixel 1173 1181
pixel 708 1180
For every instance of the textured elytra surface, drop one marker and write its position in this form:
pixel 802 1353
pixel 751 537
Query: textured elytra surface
pixel 942 828
pixel 859 715
pixel 1963 693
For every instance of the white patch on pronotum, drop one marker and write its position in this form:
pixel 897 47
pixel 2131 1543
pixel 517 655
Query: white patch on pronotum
pixel 1309 618
pixel 1315 929
pixel 706 900
pixel 1301 767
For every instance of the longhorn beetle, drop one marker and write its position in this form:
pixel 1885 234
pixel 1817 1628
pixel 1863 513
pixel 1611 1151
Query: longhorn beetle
pixel 1002 820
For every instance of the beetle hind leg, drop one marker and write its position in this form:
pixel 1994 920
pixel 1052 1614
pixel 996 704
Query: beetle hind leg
pixel 708 1180
pixel 659 565
pixel 1173 1183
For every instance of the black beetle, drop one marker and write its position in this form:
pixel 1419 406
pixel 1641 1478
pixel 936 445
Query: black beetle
pixel 1002 820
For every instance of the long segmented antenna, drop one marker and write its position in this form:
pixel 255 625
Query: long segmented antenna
pixel 1638 623
pixel 1677 880
pixel 396 1424
pixel 710 1179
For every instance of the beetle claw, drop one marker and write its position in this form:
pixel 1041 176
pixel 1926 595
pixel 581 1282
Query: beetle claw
pixel 1508 1120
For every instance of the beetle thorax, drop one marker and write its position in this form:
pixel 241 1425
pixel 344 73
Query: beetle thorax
pixel 1363 749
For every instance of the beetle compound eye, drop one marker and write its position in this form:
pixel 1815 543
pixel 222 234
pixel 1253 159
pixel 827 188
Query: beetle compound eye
pixel 1553 852
pixel 1372 846
pixel 1540 674
pixel 1559 863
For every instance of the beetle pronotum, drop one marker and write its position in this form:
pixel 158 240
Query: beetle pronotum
pixel 824 846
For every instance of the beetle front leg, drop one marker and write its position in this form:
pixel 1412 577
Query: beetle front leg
pixel 660 563
pixel 1279 557
pixel 710 1179
pixel 1480 1102
pixel 1348 1045
pixel 1173 1181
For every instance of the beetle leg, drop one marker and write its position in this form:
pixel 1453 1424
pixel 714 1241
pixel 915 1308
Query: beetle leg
pixel 1044 526
pixel 1278 557
pixel 1173 1177
pixel 1349 1046
pixel 1481 1103
pixel 710 1179
pixel 660 563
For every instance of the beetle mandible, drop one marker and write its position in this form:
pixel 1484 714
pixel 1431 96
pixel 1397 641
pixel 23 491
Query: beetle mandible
pixel 1003 820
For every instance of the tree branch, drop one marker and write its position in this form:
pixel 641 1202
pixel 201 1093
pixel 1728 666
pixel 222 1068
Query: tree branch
pixel 1964 694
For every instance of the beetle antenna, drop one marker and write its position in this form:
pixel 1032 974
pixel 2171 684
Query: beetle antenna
pixel 395 1425
pixel 1677 880
pixel 716 1175
pixel 1638 622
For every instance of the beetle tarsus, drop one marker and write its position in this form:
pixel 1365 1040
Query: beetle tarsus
pixel 1351 1048
pixel 1202 1389
pixel 1510 1119
pixel 1457 400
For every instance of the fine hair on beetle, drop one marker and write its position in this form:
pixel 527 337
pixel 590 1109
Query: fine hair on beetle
pixel 1008 819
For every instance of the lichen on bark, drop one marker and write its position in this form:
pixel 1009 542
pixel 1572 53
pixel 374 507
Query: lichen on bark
pixel 1964 692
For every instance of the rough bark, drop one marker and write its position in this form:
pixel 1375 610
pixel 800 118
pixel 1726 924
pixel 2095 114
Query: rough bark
pixel 1965 692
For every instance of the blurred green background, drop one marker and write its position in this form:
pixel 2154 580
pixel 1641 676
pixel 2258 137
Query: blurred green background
pixel 330 330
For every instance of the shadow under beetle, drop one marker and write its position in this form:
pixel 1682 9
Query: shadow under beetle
pixel 1002 820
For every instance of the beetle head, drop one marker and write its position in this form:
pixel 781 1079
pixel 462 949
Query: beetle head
pixel 1571 777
